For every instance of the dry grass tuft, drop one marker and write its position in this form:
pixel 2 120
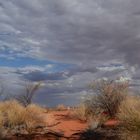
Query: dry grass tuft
pixel 129 114
pixel 80 113
pixel 61 107
pixel 1 120
pixel 85 112
pixel 35 108
pixel 13 114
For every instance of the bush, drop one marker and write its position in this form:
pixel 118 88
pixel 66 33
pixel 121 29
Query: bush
pixel 85 112
pixel 35 108
pixel 109 95
pixel 129 114
pixel 80 112
pixel 13 114
pixel 1 120
pixel 61 107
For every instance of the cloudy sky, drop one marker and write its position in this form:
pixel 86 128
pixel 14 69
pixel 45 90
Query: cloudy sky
pixel 67 44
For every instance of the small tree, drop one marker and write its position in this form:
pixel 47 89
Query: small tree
pixel 109 95
pixel 30 90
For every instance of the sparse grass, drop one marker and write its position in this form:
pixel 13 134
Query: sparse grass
pixel 129 114
pixel 35 108
pixel 1 120
pixel 98 108
pixel 13 114
pixel 85 112
pixel 80 112
pixel 110 101
pixel 60 107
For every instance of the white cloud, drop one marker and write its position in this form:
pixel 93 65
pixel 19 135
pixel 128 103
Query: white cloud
pixel 111 67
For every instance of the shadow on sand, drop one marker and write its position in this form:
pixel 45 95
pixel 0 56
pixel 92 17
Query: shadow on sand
pixel 84 135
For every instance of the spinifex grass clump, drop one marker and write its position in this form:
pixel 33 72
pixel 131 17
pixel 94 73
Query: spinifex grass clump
pixel 13 114
pixel 60 107
pixel 129 114
pixel 80 112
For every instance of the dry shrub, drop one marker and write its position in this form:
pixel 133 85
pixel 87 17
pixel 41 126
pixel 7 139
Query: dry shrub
pixel 129 114
pixel 85 111
pixel 35 108
pixel 94 119
pixel 33 117
pixel 13 114
pixel 1 120
pixel 60 107
pixel 80 112
pixel 109 95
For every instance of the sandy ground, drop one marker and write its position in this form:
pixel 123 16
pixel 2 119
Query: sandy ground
pixel 64 123
pixel 60 121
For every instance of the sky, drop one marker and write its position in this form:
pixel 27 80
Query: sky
pixel 67 44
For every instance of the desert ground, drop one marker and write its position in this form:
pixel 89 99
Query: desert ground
pixel 62 122
pixel 113 114
pixel 62 125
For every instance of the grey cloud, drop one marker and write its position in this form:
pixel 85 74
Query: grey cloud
pixel 39 76
pixel 87 34
pixel 79 31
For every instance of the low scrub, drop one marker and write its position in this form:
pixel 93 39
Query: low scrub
pixel 129 114
pixel 61 107
pixel 85 112
pixel 13 114
pixel 108 96
pixel 103 104
pixel 80 112
pixel 35 108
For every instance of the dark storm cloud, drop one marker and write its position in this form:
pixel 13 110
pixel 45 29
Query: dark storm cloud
pixel 39 76
pixel 88 34
pixel 41 73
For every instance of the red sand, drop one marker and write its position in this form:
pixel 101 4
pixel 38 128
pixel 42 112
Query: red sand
pixel 111 123
pixel 60 121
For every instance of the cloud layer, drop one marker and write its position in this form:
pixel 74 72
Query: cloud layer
pixel 99 38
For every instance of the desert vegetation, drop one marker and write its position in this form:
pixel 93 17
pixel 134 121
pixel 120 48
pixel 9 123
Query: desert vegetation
pixel 106 99
pixel 129 116
pixel 27 96
pixel 18 115
pixel 108 96
pixel 112 105
pixel 14 117
pixel 109 112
